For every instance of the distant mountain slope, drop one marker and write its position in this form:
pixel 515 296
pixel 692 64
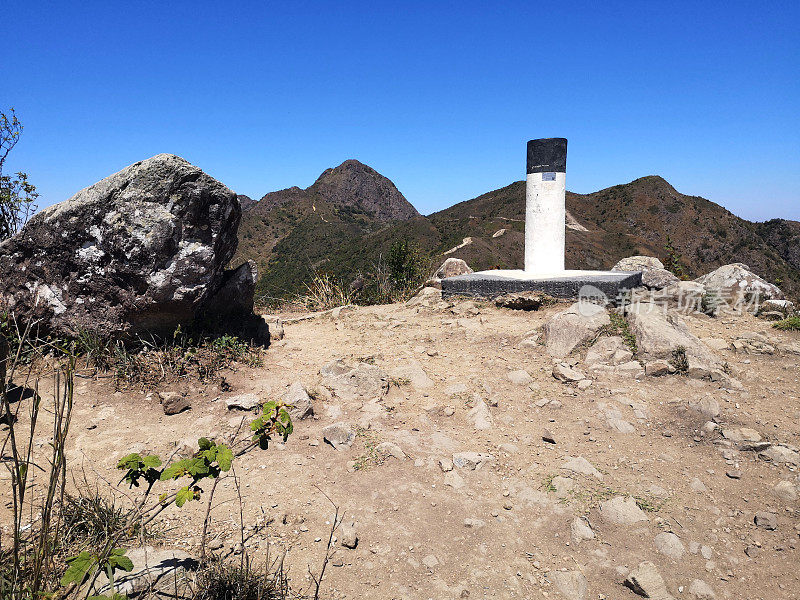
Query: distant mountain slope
pixel 343 222
pixel 292 232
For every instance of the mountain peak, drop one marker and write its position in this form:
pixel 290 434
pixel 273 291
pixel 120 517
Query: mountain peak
pixel 354 184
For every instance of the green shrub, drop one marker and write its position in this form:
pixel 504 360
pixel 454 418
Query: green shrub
pixel 788 324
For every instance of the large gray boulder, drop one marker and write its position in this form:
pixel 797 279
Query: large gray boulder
pixel 737 285
pixel 654 275
pixel 144 249
pixel 577 325
pixel 659 334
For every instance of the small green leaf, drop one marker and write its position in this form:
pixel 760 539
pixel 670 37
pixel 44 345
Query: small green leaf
pixel 224 458
pixel 204 443
pixel 184 495
pixel 151 462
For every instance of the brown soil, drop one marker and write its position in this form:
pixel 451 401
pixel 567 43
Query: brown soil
pixel 413 539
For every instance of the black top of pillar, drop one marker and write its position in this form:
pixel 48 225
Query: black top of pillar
pixel 547 155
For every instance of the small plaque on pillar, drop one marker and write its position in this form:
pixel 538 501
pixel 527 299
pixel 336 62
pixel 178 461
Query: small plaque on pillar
pixel 548 176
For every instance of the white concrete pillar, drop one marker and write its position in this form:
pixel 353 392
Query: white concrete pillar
pixel 545 206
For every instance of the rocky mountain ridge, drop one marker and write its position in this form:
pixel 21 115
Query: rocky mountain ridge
pixel 332 226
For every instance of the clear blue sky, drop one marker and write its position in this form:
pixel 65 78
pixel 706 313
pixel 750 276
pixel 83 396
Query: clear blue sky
pixel 439 97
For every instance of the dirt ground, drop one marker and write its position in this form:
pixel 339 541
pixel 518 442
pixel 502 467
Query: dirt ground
pixel 504 529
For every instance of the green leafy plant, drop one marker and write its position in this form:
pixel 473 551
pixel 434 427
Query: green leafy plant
pixel 618 327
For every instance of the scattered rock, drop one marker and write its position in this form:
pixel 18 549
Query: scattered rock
pixel 153 570
pixel 563 372
pixel 780 454
pixel 608 350
pixel 362 381
pixel 548 437
pixel 348 536
pixel 697 486
pixel 575 326
pixel 581 530
pixel 638 263
pixel 751 342
pixel 646 581
pixel 452 267
pixel 658 368
pixel 524 300
pixel 737 285
pixel 654 275
pixel 454 480
pixel 430 561
pixel 446 465
pixel 427 296
pixel 300 401
pixel 480 416
pixel 387 449
pixel 173 402
pixel 734 474
pixel 471 460
pixel 766 520
pixel 339 435
pixel 786 490
pixel 474 523
pixel 520 377
pixel 621 510
pixel 659 334
pixel 243 402
pixel 571 584
pixel 708 407
pixel 670 545
pixel 701 590
pixel 582 466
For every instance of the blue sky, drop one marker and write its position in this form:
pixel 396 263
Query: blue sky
pixel 439 97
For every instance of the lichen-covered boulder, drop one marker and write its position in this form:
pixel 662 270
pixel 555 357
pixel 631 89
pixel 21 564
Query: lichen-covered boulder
pixel 144 249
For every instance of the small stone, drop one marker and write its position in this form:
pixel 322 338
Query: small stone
pixel 766 520
pixel 584 384
pixel 339 435
pixel 474 523
pixel 299 402
pixel 520 377
pixel 454 480
pixel 581 530
pixel 430 561
pixel 571 584
pixel 348 537
pixel 670 545
pixel 446 464
pixel 701 590
pixel 548 437
pixel 697 486
pixel 243 402
pixel 658 368
pixel 566 374
pixel 646 581
pixel 786 490
pixel 582 466
pixel 173 403
pixel 734 474
pixel 471 460
pixel 621 510
pixel 449 411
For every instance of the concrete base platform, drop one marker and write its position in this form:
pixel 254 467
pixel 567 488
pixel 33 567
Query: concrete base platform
pixel 566 284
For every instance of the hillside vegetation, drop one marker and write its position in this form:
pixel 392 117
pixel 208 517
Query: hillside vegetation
pixel 344 223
